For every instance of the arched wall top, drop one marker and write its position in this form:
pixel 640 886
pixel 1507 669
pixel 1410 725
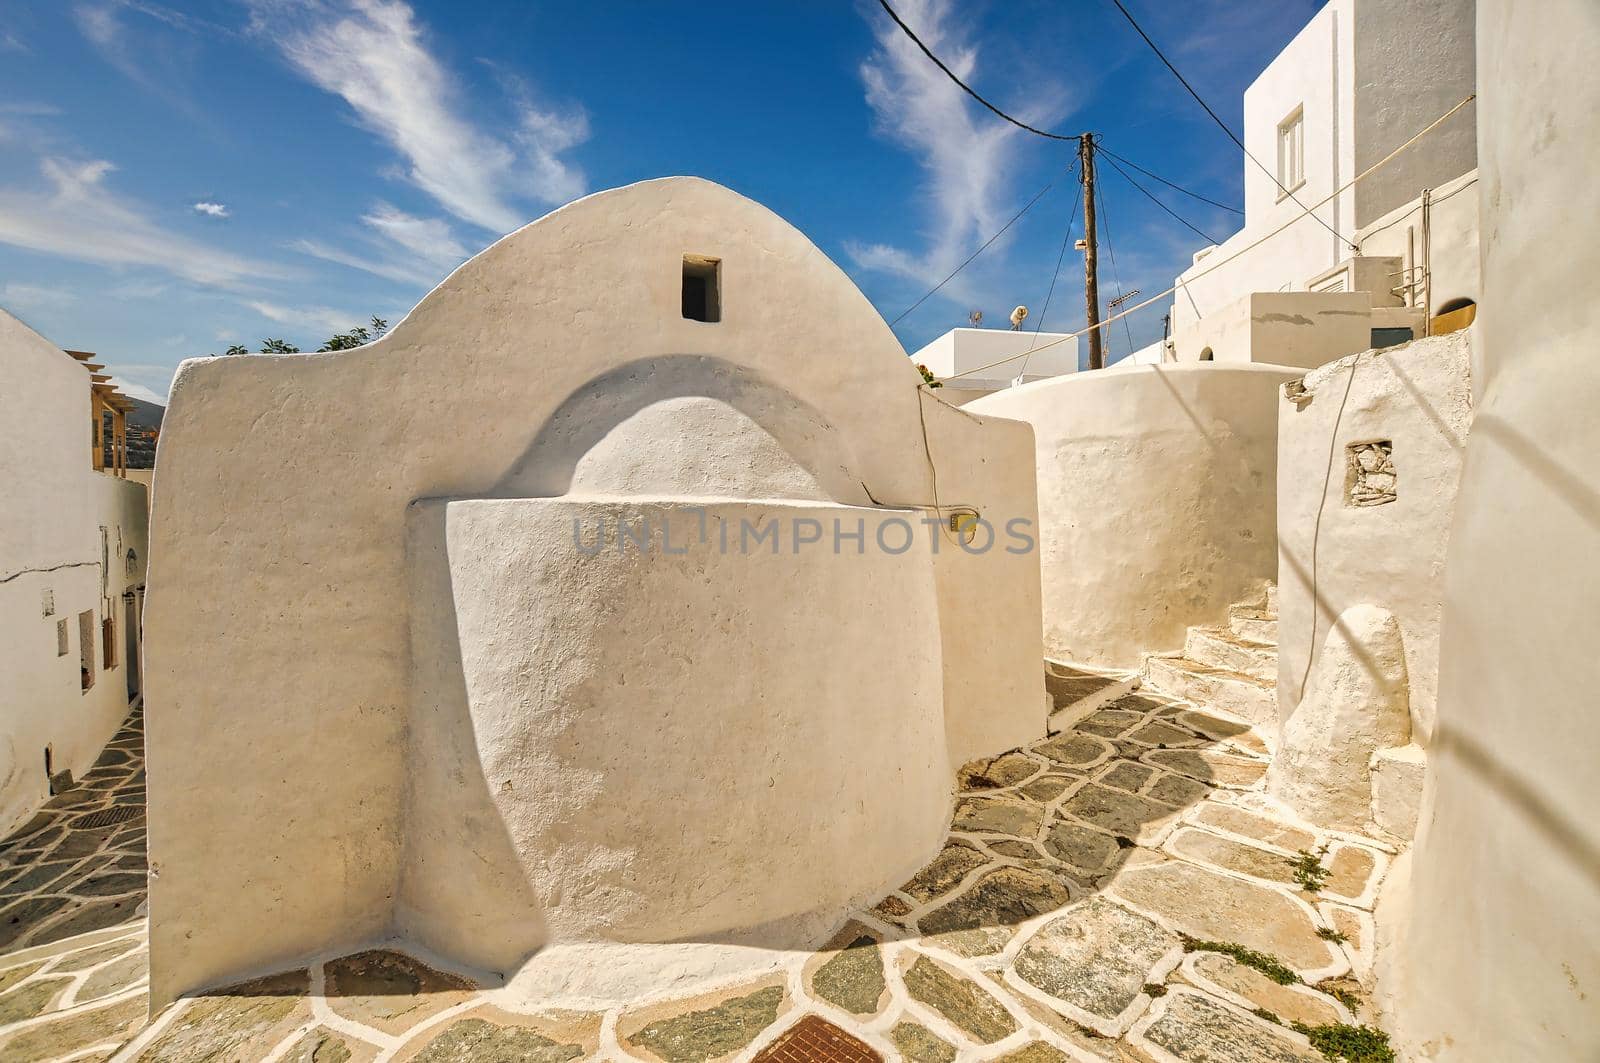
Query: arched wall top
pixel 278 595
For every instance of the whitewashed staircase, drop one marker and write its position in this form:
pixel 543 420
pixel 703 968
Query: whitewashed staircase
pixel 1233 668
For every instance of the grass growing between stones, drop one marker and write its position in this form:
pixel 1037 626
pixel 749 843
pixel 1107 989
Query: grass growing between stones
pixel 1309 870
pixel 1348 1044
pixel 1267 965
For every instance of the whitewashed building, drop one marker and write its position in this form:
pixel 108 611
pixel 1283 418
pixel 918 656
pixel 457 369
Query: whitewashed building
pixel 1370 265
pixel 72 565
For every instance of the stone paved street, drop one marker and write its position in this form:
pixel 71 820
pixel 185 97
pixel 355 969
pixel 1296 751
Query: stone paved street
pixel 1118 891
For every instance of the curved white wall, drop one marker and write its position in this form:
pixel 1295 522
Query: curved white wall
pixel 1495 950
pixel 556 362
pixel 1156 500
pixel 738 742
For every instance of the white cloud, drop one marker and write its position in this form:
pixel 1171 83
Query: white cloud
pixel 372 54
pixel 214 210
pixel 397 246
pixel 139 391
pixel 76 216
pixel 30 297
pixel 966 153
pixel 314 318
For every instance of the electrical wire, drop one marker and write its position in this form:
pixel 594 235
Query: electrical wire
pixel 1037 196
pixel 1152 197
pixel 1247 248
pixel 1220 123
pixel 1072 217
pixel 968 89
pixel 1105 219
pixel 1102 149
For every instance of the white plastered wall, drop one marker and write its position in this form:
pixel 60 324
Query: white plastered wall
pixel 1156 500
pixel 50 545
pixel 1491 944
pixel 278 616
pixel 1333 555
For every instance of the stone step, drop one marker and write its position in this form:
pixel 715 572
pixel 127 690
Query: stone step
pixel 1220 648
pixel 1076 691
pixel 1272 598
pixel 1244 696
pixel 1250 622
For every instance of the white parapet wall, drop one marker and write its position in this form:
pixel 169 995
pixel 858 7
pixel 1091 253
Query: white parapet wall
pixel 1491 944
pixel 989 358
pixel 1351 533
pixel 72 542
pixel 1156 500
pixel 702 746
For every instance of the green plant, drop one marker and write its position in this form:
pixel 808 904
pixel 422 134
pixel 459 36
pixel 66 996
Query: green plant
pixel 1329 934
pixel 1263 1013
pixel 1348 1044
pixel 1342 993
pixel 1260 961
pixel 1154 989
pixel 1309 870
pixel 928 378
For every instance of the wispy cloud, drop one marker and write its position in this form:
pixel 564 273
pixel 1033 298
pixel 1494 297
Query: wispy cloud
pixel 967 155
pixel 144 49
pixel 314 318
pixel 372 54
pixel 32 297
pixel 396 246
pixel 214 210
pixel 75 215
pixel 140 391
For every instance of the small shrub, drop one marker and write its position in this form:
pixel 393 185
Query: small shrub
pixel 1153 990
pixel 1330 934
pixel 1309 870
pixel 1344 1043
pixel 1260 961
pixel 928 378
pixel 1263 1013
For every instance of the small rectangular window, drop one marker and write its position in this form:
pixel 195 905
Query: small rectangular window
pixel 702 288
pixel 1292 152
pixel 86 647
pixel 62 641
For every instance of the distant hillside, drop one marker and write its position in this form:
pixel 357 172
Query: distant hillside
pixel 144 422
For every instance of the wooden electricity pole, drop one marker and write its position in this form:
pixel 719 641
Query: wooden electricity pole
pixel 1091 253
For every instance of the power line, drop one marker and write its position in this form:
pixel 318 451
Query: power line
pixel 1181 219
pixel 1037 196
pixel 1105 217
pixel 1220 123
pixel 1157 177
pixel 968 89
pixel 1212 267
pixel 1072 217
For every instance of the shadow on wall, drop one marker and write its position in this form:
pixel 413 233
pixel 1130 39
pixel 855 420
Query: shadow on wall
pixel 696 453
pixel 480 904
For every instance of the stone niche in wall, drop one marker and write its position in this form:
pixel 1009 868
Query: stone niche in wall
pixel 1370 477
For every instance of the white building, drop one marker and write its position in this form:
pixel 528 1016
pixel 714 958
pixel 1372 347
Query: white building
pixel 1359 81
pixel 986 360
pixel 72 564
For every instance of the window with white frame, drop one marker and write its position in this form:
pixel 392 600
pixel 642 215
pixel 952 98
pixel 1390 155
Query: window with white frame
pixel 1292 152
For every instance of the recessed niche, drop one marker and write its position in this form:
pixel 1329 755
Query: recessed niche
pixel 702 288
pixel 1370 477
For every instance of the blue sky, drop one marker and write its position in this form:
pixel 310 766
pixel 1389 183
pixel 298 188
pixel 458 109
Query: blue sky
pixel 175 177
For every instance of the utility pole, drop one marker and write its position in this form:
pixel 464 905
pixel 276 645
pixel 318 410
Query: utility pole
pixel 1091 252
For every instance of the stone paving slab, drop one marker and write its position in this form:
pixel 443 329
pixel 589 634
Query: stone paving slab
pixel 1048 928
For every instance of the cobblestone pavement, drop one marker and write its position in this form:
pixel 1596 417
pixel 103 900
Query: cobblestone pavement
pixel 1119 891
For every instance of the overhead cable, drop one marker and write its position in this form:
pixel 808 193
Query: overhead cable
pixel 1102 149
pixel 1220 123
pixel 968 89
